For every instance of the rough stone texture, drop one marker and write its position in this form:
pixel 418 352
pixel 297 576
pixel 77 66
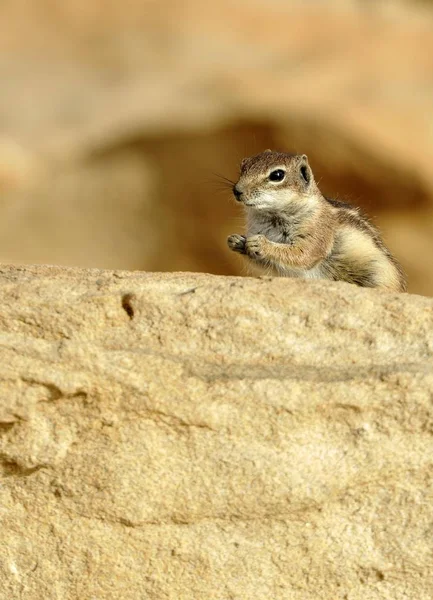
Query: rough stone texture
pixel 198 437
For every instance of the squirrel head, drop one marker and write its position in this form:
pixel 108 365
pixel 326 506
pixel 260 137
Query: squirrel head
pixel 273 180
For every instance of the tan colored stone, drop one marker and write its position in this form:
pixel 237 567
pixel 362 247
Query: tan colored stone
pixel 190 436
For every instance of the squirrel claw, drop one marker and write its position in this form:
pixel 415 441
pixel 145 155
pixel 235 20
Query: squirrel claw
pixel 236 243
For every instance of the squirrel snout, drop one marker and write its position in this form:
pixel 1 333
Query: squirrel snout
pixel 237 193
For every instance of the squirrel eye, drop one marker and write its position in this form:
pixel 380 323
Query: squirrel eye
pixel 277 175
pixel 305 174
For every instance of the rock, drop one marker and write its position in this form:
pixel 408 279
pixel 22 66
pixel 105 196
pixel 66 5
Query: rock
pixel 192 436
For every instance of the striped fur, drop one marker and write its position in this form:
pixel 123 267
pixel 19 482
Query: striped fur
pixel 294 231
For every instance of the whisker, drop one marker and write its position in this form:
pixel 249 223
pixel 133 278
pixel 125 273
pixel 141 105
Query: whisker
pixel 221 185
pixel 225 179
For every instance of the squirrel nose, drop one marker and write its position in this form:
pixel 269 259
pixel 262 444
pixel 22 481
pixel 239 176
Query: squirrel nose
pixel 237 193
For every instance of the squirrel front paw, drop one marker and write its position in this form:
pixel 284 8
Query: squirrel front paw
pixel 236 243
pixel 255 246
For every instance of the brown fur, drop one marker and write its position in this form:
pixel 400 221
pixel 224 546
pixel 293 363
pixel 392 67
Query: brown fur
pixel 294 231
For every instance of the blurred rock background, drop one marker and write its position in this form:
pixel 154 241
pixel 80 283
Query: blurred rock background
pixel 116 118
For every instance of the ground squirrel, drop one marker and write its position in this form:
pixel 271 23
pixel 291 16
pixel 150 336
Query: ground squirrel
pixel 294 231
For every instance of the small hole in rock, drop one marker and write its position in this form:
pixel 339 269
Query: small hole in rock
pixel 127 305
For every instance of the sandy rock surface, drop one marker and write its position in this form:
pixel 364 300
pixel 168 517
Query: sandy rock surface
pixel 191 436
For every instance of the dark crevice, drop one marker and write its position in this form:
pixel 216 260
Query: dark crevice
pixel 188 291
pixel 13 468
pixel 6 426
pixel 55 393
pixel 127 305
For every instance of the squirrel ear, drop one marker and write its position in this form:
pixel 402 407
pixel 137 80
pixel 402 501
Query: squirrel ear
pixel 266 151
pixel 304 157
pixel 243 162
